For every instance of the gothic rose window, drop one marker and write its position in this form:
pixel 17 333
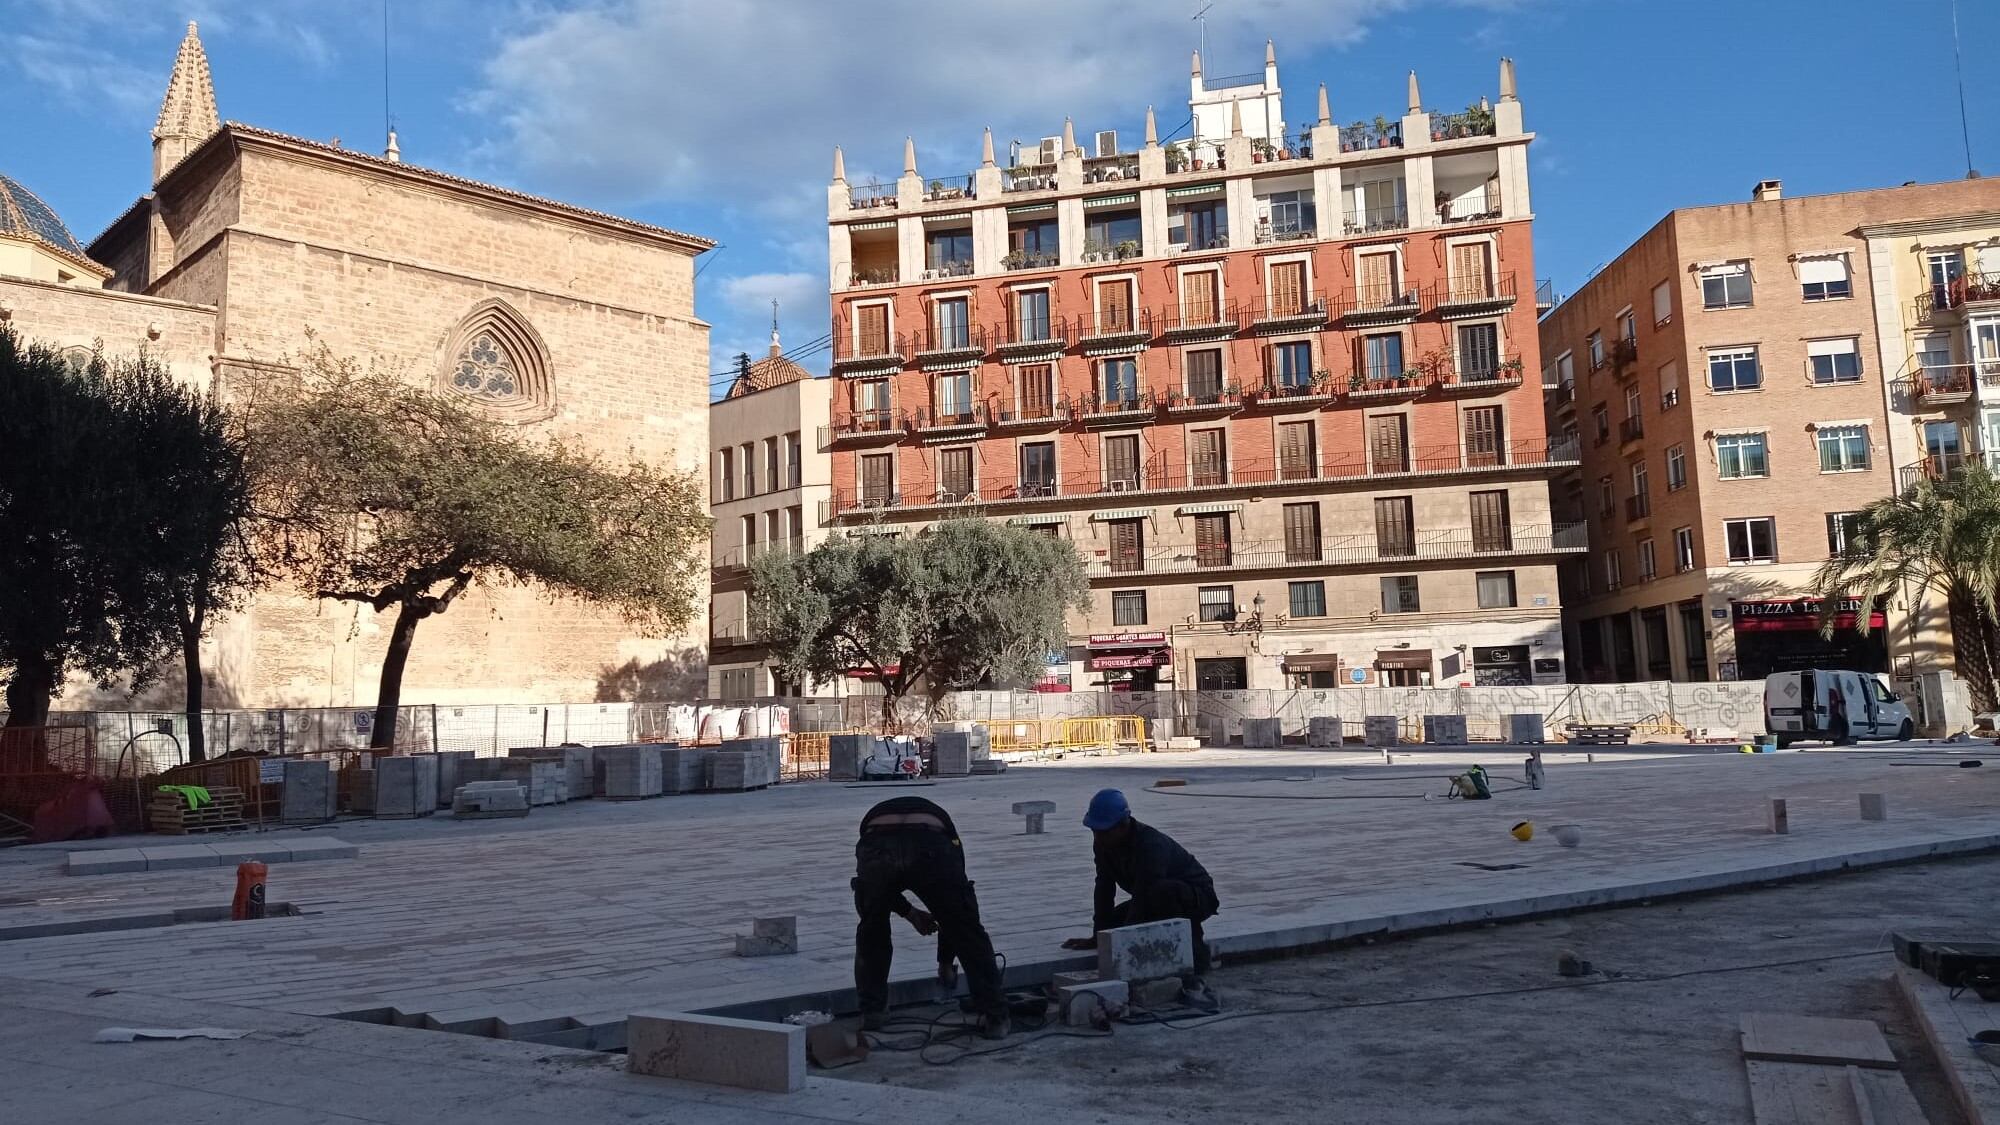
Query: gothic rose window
pixel 485 370
pixel 497 359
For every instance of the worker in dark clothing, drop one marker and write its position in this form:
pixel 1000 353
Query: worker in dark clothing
pixel 1163 880
pixel 910 844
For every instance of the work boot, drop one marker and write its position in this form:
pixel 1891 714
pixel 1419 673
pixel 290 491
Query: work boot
pixel 1196 993
pixel 947 977
pixel 874 1021
pixel 996 1025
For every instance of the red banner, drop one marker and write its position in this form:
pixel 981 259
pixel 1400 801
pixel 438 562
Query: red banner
pixel 1158 658
pixel 1876 620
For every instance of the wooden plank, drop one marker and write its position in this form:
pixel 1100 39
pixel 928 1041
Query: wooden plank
pixel 1784 1093
pixel 1808 1039
pixel 1883 1098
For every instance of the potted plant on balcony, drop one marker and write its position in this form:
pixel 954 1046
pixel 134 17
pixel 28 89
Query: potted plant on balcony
pixel 1129 248
pixel 1261 150
pixel 1511 368
pixel 1014 259
pixel 1177 157
pixel 1478 120
pixel 1381 131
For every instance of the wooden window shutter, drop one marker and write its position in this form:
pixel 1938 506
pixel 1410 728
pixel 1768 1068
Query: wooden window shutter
pixel 1482 436
pixel 1295 451
pixel 1376 278
pixel 1469 271
pixel 1198 297
pixel 1127 545
pixel 955 467
pixel 1491 528
pixel 1301 532
pixel 1116 299
pixel 1121 458
pixel 875 473
pixel 1288 284
pixel 1211 540
pixel 1393 533
pixel 1387 449
pixel 874 330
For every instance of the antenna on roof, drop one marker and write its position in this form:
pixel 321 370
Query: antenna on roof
pixel 388 118
pixel 1201 18
pixel 1964 126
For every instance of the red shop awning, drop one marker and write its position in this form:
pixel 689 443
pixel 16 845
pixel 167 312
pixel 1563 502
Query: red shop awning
pixel 1113 662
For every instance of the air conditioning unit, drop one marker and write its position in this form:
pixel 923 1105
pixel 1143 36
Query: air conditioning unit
pixel 1051 150
pixel 1122 485
pixel 1107 142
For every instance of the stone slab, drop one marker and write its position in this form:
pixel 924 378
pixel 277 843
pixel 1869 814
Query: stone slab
pixel 1324 731
pixel 1379 730
pixel 406 786
pixel 1874 806
pixel 174 857
pixel 310 795
pixel 1780 1037
pixel 229 853
pixel 107 861
pixel 717 1050
pixel 323 848
pixel 684 769
pixel 1947 1025
pixel 1526 727
pixel 844 753
pixel 1147 951
pixel 1261 734
pixel 1445 730
pixel 451 764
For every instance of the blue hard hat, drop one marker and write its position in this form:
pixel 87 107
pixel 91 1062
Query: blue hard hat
pixel 1107 810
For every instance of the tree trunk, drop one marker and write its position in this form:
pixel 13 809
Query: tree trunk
pixel 890 697
pixel 29 691
pixel 191 620
pixel 1973 646
pixel 391 693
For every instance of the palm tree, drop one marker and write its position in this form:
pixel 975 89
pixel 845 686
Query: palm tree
pixel 1941 536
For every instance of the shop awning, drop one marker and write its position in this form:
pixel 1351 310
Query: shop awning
pixel 1418 658
pixel 1194 192
pixel 1312 662
pixel 1122 661
pixel 1111 200
pixel 1121 514
pixel 1032 521
pixel 1206 509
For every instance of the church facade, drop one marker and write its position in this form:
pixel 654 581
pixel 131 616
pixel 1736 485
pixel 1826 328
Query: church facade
pixel 556 319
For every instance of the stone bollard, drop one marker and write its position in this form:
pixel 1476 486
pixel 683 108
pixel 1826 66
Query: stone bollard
pixel 770 937
pixel 1034 811
pixel 1781 825
pixel 1874 806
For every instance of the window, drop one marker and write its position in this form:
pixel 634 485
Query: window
pixel 749 535
pixel 954 396
pixel 1031 314
pixel 1291 364
pixel 1199 226
pixel 1725 286
pixel 1218 603
pixel 1734 369
pixel 1120 380
pixel 948 251
pixel 747 454
pixel 1128 546
pixel 1308 599
pixel 1607 496
pixel 1600 418
pixel 1471 271
pixel 1683 550
pixel 1478 353
pixel 1038 468
pixel 1394 534
pixel 1298 457
pixel 1399 594
pixel 1751 540
pixel 1670 386
pixel 1128 607
pixel 1376 281
pixel 1302 532
pixel 1614 570
pixel 1496 589
pixel 1035 240
pixel 1946 266
pixel 1492 529
pixel 1843 532
pixel 1485 437
pixel 1596 349
pixel 1641 485
pixel 877 476
pixel 794 460
pixel 1843 449
pixel 1382 356
pixel 1634 404
pixel 871 330
pixel 1037 383
pixel 1287 288
pixel 1834 361
pixel 725 473
pixel 1934 353
pixel 1204 374
pixel 1824 278
pixel 1647 570
pixel 795 523
pixel 1663 303
pixel 773 468
pixel 1741 456
pixel 1114 307
pixel 871 403
pixel 1677 468
pixel 1106 228
pixel 1211 540
pixel 1209 457
pixel 1628 327
pixel 1566 370
pixel 1388 443
pixel 1121 463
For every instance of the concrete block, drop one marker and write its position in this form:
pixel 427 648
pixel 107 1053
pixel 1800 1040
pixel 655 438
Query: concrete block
pixel 1162 993
pixel 309 795
pixel 625 772
pixel 361 790
pixel 326 848
pixel 177 857
pixel 1379 730
pixel 982 766
pixel 1324 730
pixel 546 780
pixel 770 937
pixel 1780 823
pixel 106 861
pixel 684 769
pixel 844 753
pixel 406 786
pixel 1061 981
pixel 1034 811
pixel 1874 806
pixel 1261 733
pixel 951 756
pixel 577 764
pixel 1525 726
pixel 715 1049
pixel 1445 730
pixel 231 853
pixel 750 768
pixel 451 763
pixel 1081 1004
pixel 482 799
pixel 1147 951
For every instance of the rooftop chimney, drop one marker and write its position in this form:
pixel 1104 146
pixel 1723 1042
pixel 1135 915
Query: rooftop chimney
pixel 1767 190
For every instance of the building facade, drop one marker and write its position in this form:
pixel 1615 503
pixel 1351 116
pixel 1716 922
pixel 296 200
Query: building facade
pixel 1744 379
pixel 558 320
pixel 767 482
pixel 1269 383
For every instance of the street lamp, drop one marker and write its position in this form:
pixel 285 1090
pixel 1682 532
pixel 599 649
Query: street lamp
pixel 1254 624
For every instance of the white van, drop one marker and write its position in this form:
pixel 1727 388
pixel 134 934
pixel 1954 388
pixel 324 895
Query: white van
pixel 1833 705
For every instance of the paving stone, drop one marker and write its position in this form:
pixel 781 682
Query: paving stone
pixel 229 853
pixel 1324 731
pixel 1261 734
pixel 1162 993
pixel 1379 730
pixel 717 1050
pixel 105 861
pixel 323 848
pixel 174 857
pixel 1147 951
pixel 1444 730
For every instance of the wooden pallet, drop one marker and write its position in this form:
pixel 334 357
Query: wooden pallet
pixel 169 814
pixel 1599 734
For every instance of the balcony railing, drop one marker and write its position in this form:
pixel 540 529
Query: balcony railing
pixel 861 426
pixel 1028 177
pixel 1030 260
pixel 1186 320
pixel 1028 334
pixel 1315 387
pixel 957 267
pixel 1383 301
pixel 1201 399
pixel 864 197
pixel 741 556
pixel 958 416
pixel 1947 301
pixel 1351 550
pixel 860 350
pixel 1942 386
pixel 1111 251
pixel 1456 126
pixel 1096 405
pixel 1466 294
pixel 1935 466
pixel 1481 207
pixel 1103 328
pixel 1631 429
pixel 1545 294
pixel 1481 377
pixel 1372 220
pixel 1246 473
pixel 952 339
pixel 1300 309
pixel 1284 232
pixel 1638 507
pixel 880 275
pixel 1300 144
pixel 1360 136
pixel 951 187
pixel 1035 412
pixel 1111 169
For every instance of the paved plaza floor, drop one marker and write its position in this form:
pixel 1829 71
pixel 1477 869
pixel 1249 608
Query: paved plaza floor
pixel 592 910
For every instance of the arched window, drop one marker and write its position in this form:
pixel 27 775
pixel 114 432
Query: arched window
pixel 499 361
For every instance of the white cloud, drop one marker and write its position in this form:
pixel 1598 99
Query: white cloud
pixel 747 298
pixel 80 74
pixel 742 102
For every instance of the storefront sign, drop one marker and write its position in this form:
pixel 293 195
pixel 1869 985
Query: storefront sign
pixel 1118 662
pixel 869 673
pixel 1501 654
pixel 1127 640
pixel 1802 614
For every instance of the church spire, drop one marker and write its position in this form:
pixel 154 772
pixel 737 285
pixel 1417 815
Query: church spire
pixel 776 351
pixel 187 114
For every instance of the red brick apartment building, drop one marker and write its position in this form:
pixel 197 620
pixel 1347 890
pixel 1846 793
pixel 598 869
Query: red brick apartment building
pixel 1280 388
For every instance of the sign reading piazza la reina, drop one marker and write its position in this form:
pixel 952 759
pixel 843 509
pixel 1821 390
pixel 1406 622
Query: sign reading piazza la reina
pixel 1803 613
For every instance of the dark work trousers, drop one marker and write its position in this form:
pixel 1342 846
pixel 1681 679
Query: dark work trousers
pixel 1164 899
pixel 923 862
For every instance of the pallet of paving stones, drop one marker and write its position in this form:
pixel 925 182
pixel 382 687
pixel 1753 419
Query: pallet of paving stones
pixel 169 814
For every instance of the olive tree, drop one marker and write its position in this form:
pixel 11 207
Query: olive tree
pixel 372 490
pixel 969 603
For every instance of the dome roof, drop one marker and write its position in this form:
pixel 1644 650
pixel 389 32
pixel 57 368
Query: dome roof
pixel 24 215
pixel 771 371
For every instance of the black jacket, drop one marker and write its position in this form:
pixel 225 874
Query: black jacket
pixel 903 805
pixel 1147 856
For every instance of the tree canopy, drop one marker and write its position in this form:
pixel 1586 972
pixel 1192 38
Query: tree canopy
pixel 374 490
pixel 1939 537
pixel 968 603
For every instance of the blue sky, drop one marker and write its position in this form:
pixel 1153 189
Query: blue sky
pixel 719 116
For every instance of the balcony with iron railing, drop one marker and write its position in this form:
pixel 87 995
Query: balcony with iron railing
pixel 949 268
pixel 1321 470
pixel 1638 508
pixel 1545 295
pixel 1028 177
pixel 855 350
pixel 1480 377
pixel 1381 304
pixel 860 278
pixel 1631 430
pixel 1022 336
pixel 1030 260
pixel 1099 408
pixel 949 188
pixel 1115 328
pixel 1472 296
pixel 1948 302
pixel 1941 385
pixel 1204 400
pixel 1624 357
pixel 966 418
pixel 1282 312
pixel 1034 412
pixel 1475 121
pixel 1361 136
pixel 1200 321
pixel 1119 168
pixel 948 341
pixel 1351 550
pixel 871 195
pixel 862 427
pixel 1376 220
pixel 1288 231
pixel 1094 251
pixel 1933 467
pixel 738 557
pixel 1301 390
pixel 1477 207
